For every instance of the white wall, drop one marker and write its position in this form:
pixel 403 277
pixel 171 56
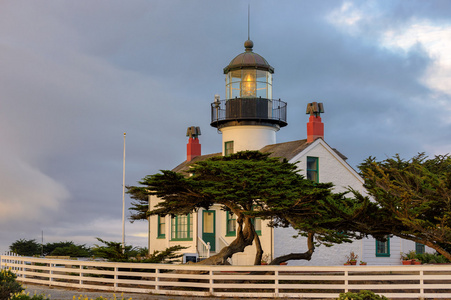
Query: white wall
pixel 284 243
pixel 248 137
pixel 331 169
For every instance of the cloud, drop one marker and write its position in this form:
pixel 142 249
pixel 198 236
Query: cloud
pixel 27 194
pixel 76 75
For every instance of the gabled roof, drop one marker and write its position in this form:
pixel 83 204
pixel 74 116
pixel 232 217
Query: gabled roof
pixel 184 166
pixel 286 150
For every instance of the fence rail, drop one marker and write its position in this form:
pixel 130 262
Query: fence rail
pixel 408 282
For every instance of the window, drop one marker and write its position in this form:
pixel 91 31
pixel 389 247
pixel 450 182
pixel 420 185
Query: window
pixel 383 248
pixel 231 224
pixel 161 227
pixel 257 222
pixel 419 248
pixel 312 168
pixel 228 148
pixel 182 228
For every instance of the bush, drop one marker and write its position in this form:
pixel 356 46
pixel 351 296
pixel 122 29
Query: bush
pixel 112 251
pixel 428 258
pixel 8 284
pixel 362 295
pixel 23 296
pixel 26 247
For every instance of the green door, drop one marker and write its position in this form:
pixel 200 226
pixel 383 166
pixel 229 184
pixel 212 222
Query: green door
pixel 208 228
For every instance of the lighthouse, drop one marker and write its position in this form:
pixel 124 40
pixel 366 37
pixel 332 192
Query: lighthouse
pixel 248 118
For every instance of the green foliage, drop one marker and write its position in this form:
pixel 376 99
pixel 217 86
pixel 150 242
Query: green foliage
pixel 429 258
pixel 26 296
pixel 412 199
pixel 31 247
pixel 140 203
pixel 8 284
pixel 66 249
pixel 26 247
pixel 252 184
pixel 167 256
pixel 361 295
pixel 112 251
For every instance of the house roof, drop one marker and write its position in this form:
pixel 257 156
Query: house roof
pixel 286 150
pixel 185 165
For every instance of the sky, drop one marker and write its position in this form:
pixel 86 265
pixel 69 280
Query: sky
pixel 76 75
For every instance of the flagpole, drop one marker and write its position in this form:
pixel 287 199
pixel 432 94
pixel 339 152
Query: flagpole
pixel 123 200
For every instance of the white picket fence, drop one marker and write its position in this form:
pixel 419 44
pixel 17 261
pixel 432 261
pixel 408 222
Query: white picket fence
pixel 408 282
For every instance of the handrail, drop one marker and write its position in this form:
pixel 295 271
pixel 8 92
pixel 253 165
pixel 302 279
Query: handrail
pixel 265 110
pixel 205 248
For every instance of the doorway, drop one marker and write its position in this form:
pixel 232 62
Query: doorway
pixel 208 228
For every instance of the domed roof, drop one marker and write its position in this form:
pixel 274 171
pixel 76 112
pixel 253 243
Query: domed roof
pixel 248 59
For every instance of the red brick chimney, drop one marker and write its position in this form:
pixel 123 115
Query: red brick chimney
pixel 193 148
pixel 315 128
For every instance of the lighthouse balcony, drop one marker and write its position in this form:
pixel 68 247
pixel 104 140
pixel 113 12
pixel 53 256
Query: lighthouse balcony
pixel 248 111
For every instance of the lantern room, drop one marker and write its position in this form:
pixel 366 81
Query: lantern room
pixel 248 75
pixel 248 98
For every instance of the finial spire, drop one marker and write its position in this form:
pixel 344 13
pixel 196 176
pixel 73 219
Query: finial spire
pixel 249 21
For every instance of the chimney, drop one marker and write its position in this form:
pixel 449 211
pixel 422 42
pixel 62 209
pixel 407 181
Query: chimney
pixel 315 128
pixel 193 148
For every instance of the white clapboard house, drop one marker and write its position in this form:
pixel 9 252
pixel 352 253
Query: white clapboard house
pixel 249 119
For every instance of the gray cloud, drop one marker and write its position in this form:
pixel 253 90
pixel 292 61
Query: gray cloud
pixel 75 75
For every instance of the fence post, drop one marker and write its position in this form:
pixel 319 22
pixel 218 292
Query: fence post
pixel 210 280
pixel 421 284
pixel 157 279
pixel 81 274
pixel 23 268
pixel 52 266
pixel 115 279
pixel 346 281
pixel 276 283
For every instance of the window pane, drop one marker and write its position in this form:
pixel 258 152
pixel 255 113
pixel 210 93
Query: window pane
pixel 419 248
pixel 181 227
pixel 231 223
pixel 383 247
pixel 312 169
pixel 208 222
pixel 228 148
pixel 161 226
pixel 258 224
pixel 312 163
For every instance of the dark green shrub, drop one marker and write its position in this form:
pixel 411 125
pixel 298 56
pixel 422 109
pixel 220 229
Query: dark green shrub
pixel 429 258
pixel 8 284
pixel 26 247
pixel 112 251
pixel 362 295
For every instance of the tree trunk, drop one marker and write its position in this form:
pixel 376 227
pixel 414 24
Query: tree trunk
pixel 296 256
pixel 243 239
pixel 258 246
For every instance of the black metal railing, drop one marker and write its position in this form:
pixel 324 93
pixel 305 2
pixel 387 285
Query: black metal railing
pixel 267 110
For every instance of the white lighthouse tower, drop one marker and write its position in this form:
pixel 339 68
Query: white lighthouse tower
pixel 248 118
